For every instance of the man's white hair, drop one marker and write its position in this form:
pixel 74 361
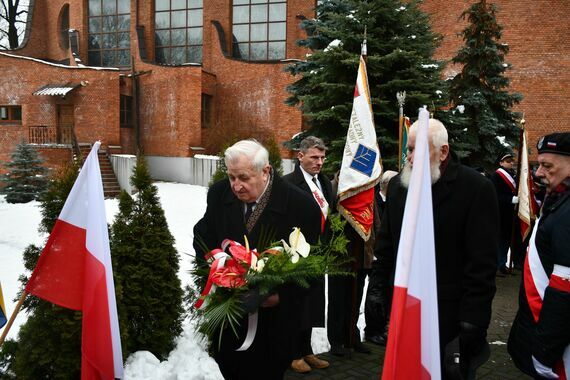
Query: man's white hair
pixel 437 132
pixel 249 148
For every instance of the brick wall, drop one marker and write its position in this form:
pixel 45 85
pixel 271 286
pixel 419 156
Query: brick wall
pixel 95 105
pixel 537 34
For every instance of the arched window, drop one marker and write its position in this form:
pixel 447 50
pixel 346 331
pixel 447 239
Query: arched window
pixel 178 28
pixel 109 33
pixel 64 27
pixel 259 29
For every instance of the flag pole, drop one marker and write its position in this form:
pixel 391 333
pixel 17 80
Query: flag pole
pixel 357 246
pixel 514 244
pixel 401 96
pixel 13 317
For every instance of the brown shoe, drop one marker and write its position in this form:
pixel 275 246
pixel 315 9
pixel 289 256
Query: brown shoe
pixel 316 362
pixel 300 366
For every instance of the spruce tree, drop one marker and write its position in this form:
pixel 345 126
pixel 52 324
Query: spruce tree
pixel 26 179
pixel 49 342
pixel 400 46
pixel 481 89
pixel 146 267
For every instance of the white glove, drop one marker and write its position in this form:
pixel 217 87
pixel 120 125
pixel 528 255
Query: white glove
pixel 515 200
pixel 543 370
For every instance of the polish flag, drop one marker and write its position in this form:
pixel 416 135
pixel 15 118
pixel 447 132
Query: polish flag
pixel 360 169
pixel 413 339
pixel 74 271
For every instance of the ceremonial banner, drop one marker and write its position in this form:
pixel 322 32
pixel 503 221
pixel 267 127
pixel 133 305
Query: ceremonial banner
pixel 527 203
pixel 404 143
pixel 412 351
pixel 74 271
pixel 360 169
pixel 3 317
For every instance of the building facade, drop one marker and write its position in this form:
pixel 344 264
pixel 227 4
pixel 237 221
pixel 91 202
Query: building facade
pixel 171 77
pixel 179 77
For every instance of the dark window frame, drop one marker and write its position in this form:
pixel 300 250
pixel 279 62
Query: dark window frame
pixel 10 112
pixel 206 114
pixel 237 53
pixel 193 51
pixel 126 111
pixel 120 32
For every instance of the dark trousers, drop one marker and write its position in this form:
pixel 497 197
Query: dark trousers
pixel 303 343
pixel 504 245
pixel 378 303
pixel 345 296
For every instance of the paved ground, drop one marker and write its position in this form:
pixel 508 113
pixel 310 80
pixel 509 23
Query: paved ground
pixel 499 366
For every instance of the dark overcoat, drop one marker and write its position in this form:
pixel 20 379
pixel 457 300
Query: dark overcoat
pixel 547 338
pixel 314 304
pixel 466 219
pixel 506 207
pixel 287 207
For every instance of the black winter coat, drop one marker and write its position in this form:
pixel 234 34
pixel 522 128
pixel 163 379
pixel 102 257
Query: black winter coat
pixel 466 244
pixel 288 207
pixel 547 338
pixel 314 304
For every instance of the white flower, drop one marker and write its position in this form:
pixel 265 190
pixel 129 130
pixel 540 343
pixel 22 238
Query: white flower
pixel 297 245
pixel 260 264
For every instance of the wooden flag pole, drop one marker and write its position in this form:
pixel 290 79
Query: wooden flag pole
pixel 401 96
pixel 13 317
pixel 514 238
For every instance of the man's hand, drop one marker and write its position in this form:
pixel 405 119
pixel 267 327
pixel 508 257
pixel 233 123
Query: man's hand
pixel 515 200
pixel 272 300
pixel 543 370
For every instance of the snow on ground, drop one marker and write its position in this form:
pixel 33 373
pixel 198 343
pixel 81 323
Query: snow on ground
pixel 183 205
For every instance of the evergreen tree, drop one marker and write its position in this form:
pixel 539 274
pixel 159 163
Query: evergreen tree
pixel 481 88
pixel 400 45
pixel 49 342
pixel 146 270
pixel 26 179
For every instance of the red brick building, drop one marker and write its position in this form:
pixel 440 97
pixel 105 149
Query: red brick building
pixel 537 34
pixel 175 75
pixel 179 76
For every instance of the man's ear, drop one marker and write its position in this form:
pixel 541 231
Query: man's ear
pixel 444 152
pixel 299 155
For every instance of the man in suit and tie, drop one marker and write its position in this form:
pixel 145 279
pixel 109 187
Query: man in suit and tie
pixel 308 177
pixel 255 202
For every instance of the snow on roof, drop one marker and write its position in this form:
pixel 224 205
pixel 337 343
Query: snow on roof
pixel 57 64
pixel 56 89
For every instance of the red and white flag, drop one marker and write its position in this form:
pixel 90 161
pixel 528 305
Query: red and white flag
pixel 413 339
pixel 527 202
pixel 360 169
pixel 74 271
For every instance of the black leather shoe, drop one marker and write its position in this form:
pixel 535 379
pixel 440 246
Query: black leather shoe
pixel 376 339
pixel 338 350
pixel 360 347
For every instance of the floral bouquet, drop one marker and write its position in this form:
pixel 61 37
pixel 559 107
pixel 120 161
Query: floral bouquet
pixel 236 272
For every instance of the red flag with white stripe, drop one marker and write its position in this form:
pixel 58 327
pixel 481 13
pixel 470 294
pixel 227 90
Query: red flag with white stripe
pixel 413 339
pixel 360 169
pixel 74 271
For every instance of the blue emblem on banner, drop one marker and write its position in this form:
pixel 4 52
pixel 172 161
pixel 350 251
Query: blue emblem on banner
pixel 364 160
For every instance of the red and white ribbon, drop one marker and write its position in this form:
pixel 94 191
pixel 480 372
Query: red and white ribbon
pixel 535 282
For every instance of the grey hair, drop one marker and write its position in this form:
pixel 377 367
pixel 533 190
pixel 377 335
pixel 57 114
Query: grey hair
pixel 312 142
pixel 249 148
pixel 437 132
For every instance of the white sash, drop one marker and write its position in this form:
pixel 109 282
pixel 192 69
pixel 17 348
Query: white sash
pixel 319 197
pixel 536 280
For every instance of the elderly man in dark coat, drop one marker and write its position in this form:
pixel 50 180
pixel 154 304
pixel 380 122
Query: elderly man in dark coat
pixel 307 176
pixel 465 212
pixel 255 202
